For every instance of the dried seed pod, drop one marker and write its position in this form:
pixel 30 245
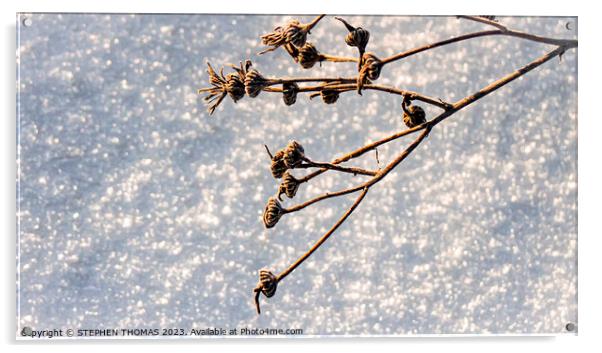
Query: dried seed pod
pixel 235 86
pixel 293 154
pixel 414 116
pixel 272 213
pixel 329 96
pixel 288 186
pixel 254 83
pixel 295 33
pixel 273 39
pixel 278 167
pixel 289 92
pixel 308 56
pixel 357 37
pixel 371 67
pixel 268 283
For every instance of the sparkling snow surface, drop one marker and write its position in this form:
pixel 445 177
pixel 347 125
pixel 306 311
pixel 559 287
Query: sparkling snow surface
pixel 139 210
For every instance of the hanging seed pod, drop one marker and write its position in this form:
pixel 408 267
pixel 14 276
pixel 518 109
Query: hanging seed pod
pixel 268 283
pixel 254 83
pixel 329 96
pixel 288 186
pixel 371 67
pixel 308 56
pixel 357 37
pixel 235 86
pixel 293 154
pixel 289 92
pixel 414 116
pixel 278 167
pixel 272 213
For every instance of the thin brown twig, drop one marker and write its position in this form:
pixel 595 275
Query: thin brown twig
pixel 330 166
pixel 338 59
pixel 277 81
pixel 314 22
pixel 568 43
pixel 325 237
pixel 342 87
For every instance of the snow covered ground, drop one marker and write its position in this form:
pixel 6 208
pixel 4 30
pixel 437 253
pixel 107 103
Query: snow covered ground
pixel 138 210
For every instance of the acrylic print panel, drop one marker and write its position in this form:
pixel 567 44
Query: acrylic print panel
pixel 142 215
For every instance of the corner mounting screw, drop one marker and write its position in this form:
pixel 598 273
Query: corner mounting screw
pixel 570 327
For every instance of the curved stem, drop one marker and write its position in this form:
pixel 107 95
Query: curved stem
pixel 506 32
pixel 278 81
pixel 314 22
pixel 351 85
pixel 325 196
pixel 417 50
pixel 413 95
pixel 325 237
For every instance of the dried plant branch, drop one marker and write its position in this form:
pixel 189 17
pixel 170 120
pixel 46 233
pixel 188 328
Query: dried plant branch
pixel 293 39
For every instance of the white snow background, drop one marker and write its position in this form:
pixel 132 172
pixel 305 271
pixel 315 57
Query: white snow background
pixel 139 210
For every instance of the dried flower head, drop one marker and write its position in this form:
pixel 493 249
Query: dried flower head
pixel 357 37
pixel 254 82
pixel 329 96
pixel 293 154
pixel 235 86
pixel 370 70
pixel 232 85
pixel 218 92
pixel 272 213
pixel 268 283
pixel 308 56
pixel 289 92
pixel 293 33
pixel 414 116
pixel 288 186
pixel 278 167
